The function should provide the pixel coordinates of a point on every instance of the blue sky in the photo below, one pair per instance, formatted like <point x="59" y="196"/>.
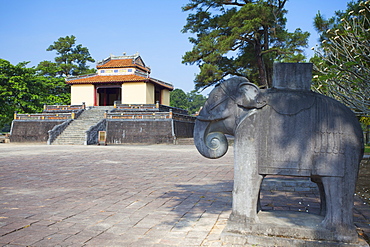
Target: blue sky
<point x="150" y="27"/>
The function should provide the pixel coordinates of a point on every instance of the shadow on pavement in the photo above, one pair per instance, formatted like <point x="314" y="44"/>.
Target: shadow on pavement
<point x="194" y="204"/>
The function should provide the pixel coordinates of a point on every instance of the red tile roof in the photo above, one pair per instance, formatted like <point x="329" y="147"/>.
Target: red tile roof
<point x="121" y="63"/>
<point x="101" y="79"/>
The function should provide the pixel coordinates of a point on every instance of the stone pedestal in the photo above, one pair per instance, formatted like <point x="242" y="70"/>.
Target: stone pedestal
<point x="283" y="228"/>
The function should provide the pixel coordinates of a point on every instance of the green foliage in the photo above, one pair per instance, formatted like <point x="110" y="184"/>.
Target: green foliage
<point x="20" y="89"/>
<point x="48" y="68"/>
<point x="337" y="23"/>
<point x="26" y="90"/>
<point x="342" y="62"/>
<point x="179" y="99"/>
<point x="71" y="59"/>
<point x="367" y="149"/>
<point x="5" y="128"/>
<point x="192" y="101"/>
<point x="196" y="101"/>
<point x="365" y="121"/>
<point x="240" y="38"/>
<point x="55" y="91"/>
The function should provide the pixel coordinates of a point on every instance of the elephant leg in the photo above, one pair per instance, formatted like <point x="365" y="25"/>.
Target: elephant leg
<point x="318" y="182"/>
<point x="259" y="206"/>
<point x="246" y="198"/>
<point x="339" y="208"/>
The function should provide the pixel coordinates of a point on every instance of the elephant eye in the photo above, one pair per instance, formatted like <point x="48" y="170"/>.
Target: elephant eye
<point x="217" y="99"/>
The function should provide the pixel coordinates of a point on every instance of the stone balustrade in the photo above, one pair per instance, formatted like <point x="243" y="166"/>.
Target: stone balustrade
<point x="45" y="116"/>
<point x="52" y="108"/>
<point x="138" y="115"/>
<point x="127" y="115"/>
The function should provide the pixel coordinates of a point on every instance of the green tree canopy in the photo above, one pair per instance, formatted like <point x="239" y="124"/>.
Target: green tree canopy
<point x="331" y="27"/>
<point x="26" y="90"/>
<point x="196" y="101"/>
<point x="342" y="62"/>
<point x="20" y="90"/>
<point x="71" y="59"/>
<point x="179" y="99"/>
<point x="240" y="38"/>
<point x="192" y="101"/>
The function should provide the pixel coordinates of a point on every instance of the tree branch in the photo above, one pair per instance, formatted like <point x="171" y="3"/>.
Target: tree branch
<point x="236" y="3"/>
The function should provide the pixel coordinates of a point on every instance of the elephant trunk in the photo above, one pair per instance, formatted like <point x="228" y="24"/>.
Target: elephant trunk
<point x="211" y="144"/>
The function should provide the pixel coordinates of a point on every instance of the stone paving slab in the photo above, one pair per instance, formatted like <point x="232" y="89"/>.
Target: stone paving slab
<point x="156" y="195"/>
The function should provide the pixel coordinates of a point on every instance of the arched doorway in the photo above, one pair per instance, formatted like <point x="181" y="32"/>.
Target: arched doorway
<point x="106" y="95"/>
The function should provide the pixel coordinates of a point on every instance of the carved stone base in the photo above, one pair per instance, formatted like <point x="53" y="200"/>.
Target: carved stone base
<point x="282" y="228"/>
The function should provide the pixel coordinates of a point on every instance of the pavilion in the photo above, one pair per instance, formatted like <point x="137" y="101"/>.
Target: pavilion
<point x="121" y="79"/>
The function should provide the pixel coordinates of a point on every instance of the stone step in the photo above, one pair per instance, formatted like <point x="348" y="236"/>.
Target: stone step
<point x="74" y="134"/>
<point x="81" y="127"/>
<point x="71" y="140"/>
<point x="73" y="129"/>
<point x="288" y="184"/>
<point x="184" y="141"/>
<point x="72" y="137"/>
<point x="69" y="143"/>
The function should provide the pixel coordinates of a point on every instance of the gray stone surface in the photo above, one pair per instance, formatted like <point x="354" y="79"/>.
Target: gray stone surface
<point x="91" y="135"/>
<point x="292" y="76"/>
<point x="284" y="228"/>
<point x="57" y="130"/>
<point x="137" y="196"/>
<point x="75" y="133"/>
<point x="32" y="130"/>
<point x="286" y="130"/>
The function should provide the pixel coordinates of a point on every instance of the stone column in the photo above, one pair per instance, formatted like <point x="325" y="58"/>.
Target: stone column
<point x="292" y="76"/>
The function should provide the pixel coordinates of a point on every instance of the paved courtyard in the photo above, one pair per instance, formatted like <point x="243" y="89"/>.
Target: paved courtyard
<point x="156" y="195"/>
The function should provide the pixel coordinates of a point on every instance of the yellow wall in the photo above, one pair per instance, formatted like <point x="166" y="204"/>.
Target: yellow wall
<point x="132" y="93"/>
<point x="150" y="93"/>
<point x="165" y="97"/>
<point x="82" y="93"/>
<point x="136" y="93"/>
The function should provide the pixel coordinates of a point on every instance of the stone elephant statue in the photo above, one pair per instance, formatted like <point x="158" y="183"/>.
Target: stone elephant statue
<point x="284" y="132"/>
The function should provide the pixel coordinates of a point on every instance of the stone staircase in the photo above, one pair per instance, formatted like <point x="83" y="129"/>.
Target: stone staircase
<point x="74" y="134"/>
<point x="184" y="141"/>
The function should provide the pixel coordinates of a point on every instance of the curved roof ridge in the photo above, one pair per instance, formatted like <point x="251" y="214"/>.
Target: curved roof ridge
<point x="123" y="62"/>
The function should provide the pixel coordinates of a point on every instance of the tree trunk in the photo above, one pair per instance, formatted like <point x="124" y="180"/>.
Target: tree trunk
<point x="262" y="79"/>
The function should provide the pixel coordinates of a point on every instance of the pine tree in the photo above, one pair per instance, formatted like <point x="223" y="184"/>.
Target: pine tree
<point x="241" y="38"/>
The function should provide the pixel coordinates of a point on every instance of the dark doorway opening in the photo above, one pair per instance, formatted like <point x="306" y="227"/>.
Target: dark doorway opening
<point x="157" y="96"/>
<point x="107" y="95"/>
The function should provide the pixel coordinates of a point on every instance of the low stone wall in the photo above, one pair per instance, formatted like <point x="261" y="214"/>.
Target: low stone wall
<point x="57" y="130"/>
<point x="288" y="184"/>
<point x="183" y="129"/>
<point x="32" y="131"/>
<point x="147" y="131"/>
<point x="139" y="131"/>
<point x="93" y="131"/>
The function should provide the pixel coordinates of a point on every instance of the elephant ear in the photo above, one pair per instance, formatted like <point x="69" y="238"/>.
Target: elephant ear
<point x="247" y="96"/>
